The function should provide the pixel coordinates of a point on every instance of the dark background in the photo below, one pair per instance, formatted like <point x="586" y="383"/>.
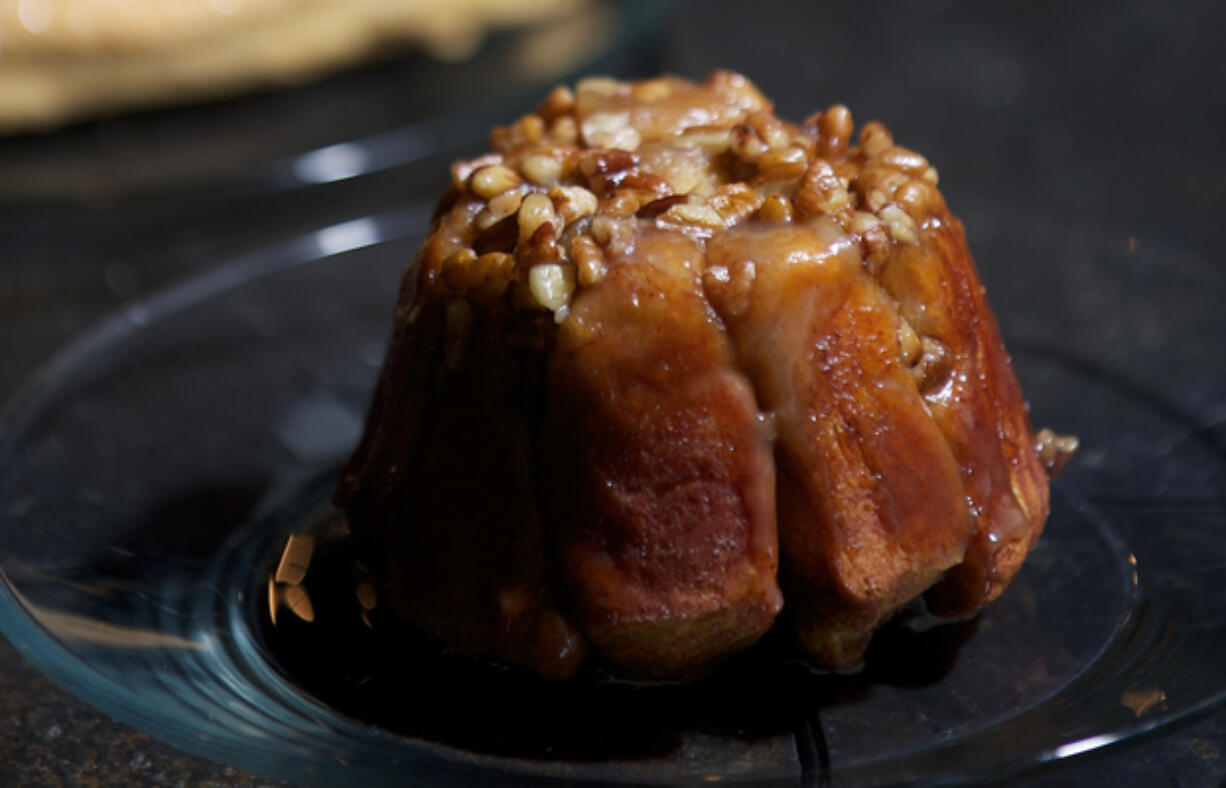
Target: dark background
<point x="1102" y="115"/>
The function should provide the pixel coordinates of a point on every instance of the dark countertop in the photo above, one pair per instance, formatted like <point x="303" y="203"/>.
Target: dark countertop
<point x="1113" y="114"/>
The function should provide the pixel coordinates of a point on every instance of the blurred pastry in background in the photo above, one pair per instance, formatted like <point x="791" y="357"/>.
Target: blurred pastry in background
<point x="64" y="60"/>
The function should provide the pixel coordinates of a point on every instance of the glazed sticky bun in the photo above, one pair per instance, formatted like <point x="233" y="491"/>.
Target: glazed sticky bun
<point x="669" y="369"/>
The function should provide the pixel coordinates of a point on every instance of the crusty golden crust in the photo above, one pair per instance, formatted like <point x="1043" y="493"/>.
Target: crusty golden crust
<point x="663" y="350"/>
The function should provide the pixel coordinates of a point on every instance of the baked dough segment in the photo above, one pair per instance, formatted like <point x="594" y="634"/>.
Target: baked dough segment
<point x="442" y="494"/>
<point x="871" y="510"/>
<point x="974" y="398"/>
<point x="660" y="471"/>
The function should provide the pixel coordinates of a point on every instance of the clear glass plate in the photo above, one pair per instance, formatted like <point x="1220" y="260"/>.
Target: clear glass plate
<point x="154" y="469"/>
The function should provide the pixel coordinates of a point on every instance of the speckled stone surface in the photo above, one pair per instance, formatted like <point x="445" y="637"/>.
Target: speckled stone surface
<point x="49" y="738"/>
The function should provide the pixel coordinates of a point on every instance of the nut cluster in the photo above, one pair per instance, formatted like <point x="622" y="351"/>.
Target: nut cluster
<point x="568" y="187"/>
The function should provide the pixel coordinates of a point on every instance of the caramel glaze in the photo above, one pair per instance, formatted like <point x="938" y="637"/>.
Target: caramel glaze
<point x="976" y="402"/>
<point x="871" y="510"/>
<point x="660" y="470"/>
<point x="666" y="361"/>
